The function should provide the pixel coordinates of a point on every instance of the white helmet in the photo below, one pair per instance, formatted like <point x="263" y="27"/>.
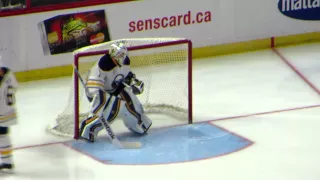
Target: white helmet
<point x="119" y="52"/>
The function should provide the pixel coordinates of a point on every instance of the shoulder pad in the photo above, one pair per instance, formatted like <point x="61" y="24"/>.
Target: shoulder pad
<point x="126" y="61"/>
<point x="106" y="63"/>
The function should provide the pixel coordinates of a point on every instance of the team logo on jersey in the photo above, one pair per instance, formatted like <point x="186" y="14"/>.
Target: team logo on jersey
<point x="117" y="80"/>
<point x="300" y="9"/>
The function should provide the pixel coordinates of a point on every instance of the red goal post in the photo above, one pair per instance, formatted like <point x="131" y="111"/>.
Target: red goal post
<point x="174" y="54"/>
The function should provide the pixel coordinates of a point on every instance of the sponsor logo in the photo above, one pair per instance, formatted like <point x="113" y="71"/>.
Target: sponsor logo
<point x="170" y="21"/>
<point x="112" y="136"/>
<point x="300" y="9"/>
<point x="67" y="32"/>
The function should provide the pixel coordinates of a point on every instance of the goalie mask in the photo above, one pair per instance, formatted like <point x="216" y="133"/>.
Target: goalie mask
<point x="118" y="52"/>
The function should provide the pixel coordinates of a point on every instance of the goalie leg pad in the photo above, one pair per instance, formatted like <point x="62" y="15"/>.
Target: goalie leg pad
<point x="5" y="146"/>
<point x="100" y="100"/>
<point x="112" y="109"/>
<point x="92" y="126"/>
<point x="134" y="117"/>
<point x="138" y="126"/>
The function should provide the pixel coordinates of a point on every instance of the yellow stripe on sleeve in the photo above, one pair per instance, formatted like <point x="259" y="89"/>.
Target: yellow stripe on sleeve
<point x="96" y="84"/>
<point x="6" y="152"/>
<point x="7" y="117"/>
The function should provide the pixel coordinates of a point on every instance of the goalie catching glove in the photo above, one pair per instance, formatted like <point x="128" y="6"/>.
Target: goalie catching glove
<point x="136" y="85"/>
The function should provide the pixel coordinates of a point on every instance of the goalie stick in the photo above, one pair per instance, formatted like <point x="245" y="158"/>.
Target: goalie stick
<point x="112" y="136"/>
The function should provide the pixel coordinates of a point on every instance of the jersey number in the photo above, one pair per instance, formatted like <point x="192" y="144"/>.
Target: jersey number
<point x="10" y="99"/>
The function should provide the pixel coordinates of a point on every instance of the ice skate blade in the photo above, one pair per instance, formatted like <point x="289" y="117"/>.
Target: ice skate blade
<point x="6" y="171"/>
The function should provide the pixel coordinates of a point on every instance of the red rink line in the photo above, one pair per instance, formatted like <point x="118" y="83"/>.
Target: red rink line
<point x="39" y="145"/>
<point x="303" y="77"/>
<point x="265" y="113"/>
<point x="292" y="67"/>
<point x="219" y="119"/>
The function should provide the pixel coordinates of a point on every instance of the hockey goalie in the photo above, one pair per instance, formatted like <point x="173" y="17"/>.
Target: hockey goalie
<point x="112" y="89"/>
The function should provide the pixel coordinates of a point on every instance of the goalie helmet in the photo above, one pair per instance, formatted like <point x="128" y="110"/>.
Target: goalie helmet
<point x="119" y="52"/>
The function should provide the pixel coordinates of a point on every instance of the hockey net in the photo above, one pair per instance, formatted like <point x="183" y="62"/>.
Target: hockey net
<point x="163" y="64"/>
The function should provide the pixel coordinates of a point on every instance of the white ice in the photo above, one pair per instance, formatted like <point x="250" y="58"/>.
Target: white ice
<point x="286" y="144"/>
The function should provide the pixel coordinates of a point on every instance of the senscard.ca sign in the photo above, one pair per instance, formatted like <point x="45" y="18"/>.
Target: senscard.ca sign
<point x="300" y="9"/>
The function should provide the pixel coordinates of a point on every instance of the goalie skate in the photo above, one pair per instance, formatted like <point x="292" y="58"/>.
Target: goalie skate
<point x="6" y="168"/>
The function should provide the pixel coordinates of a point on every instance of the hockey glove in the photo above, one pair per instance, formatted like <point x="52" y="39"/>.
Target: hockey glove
<point x="138" y="87"/>
<point x="129" y="79"/>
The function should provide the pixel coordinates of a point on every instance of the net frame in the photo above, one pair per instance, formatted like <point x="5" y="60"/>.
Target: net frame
<point x="173" y="41"/>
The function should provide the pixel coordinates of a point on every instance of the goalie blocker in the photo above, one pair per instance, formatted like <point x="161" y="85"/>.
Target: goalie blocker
<point x="113" y="88"/>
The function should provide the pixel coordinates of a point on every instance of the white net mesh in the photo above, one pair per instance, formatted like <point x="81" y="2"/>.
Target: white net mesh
<point x="163" y="69"/>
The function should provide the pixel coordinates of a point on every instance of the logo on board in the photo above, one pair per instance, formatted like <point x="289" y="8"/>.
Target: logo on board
<point x="300" y="9"/>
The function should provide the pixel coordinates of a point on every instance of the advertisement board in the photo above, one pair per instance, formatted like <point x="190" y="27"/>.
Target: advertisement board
<point x="300" y="9"/>
<point x="37" y="41"/>
<point x="68" y="32"/>
<point x="166" y="19"/>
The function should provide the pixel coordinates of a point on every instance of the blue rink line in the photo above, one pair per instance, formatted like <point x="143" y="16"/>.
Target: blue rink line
<point x="167" y="145"/>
